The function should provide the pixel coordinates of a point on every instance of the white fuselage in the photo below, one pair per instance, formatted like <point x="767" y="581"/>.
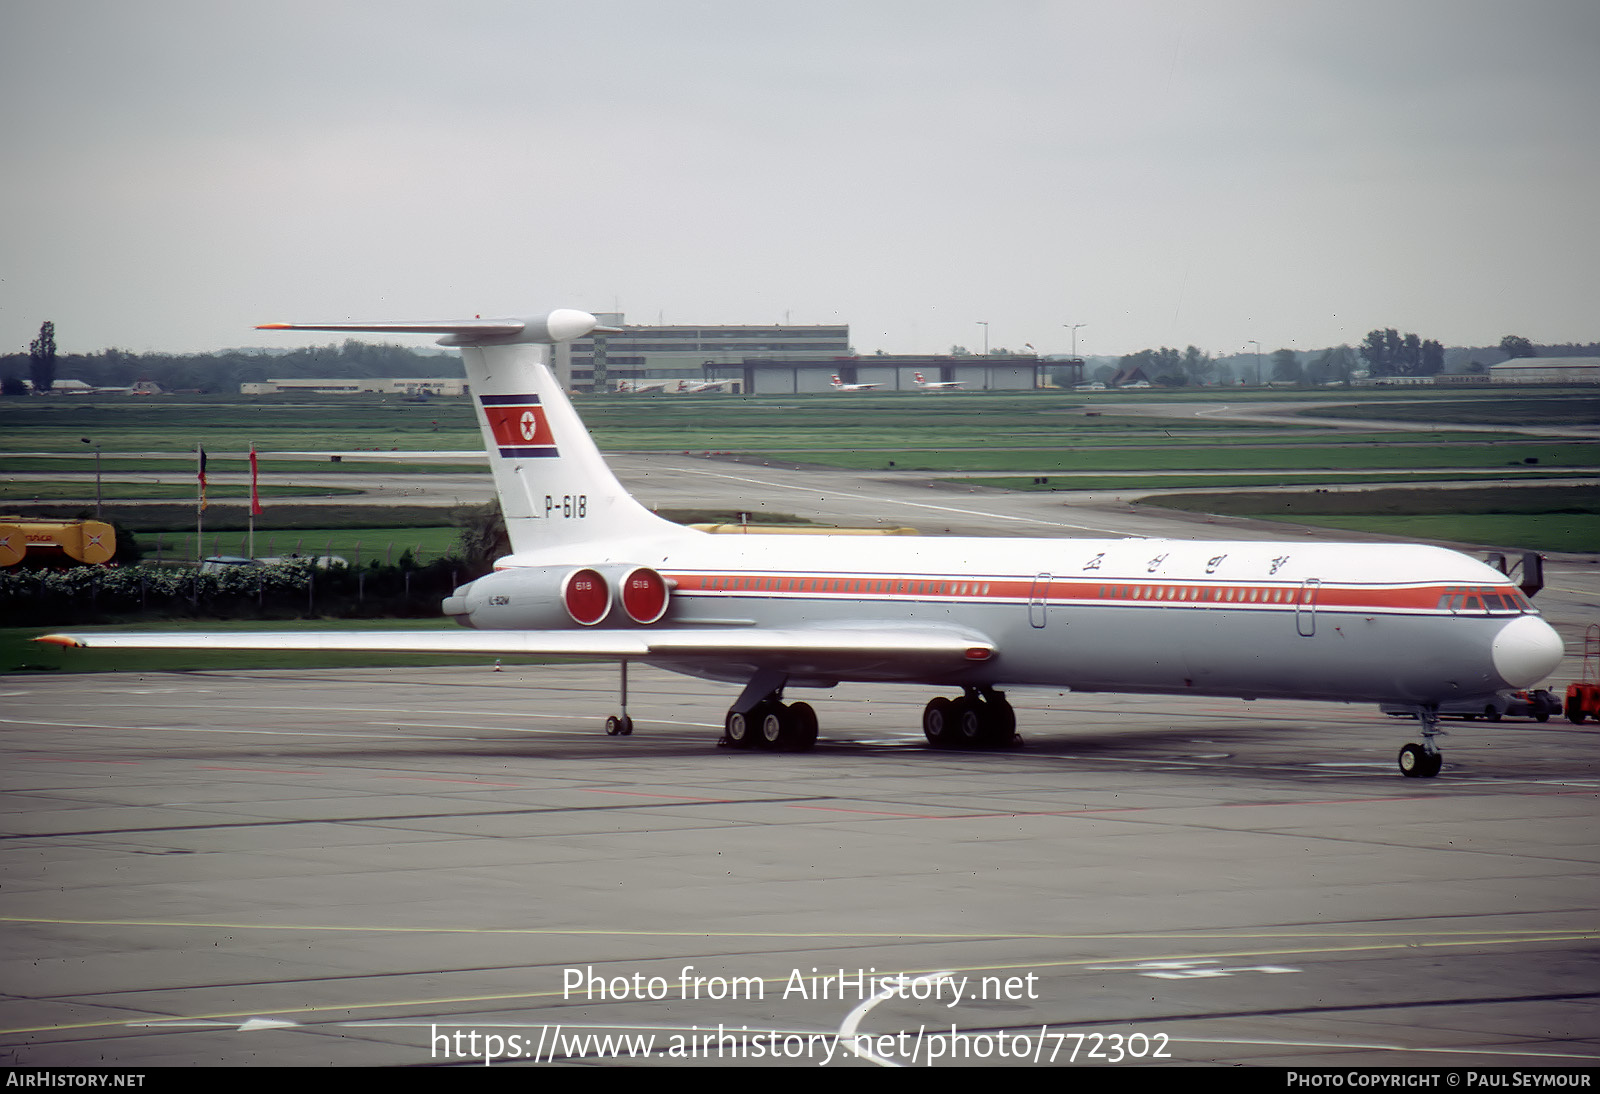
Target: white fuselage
<point x="1343" y="622"/>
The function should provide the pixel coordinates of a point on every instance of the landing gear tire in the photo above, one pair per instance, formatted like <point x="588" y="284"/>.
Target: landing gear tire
<point x="805" y="727"/>
<point x="1417" y="762"/>
<point x="972" y="722"/>
<point x="737" y="730"/>
<point x="1002" y="723"/>
<point x="772" y="725"/>
<point x="939" y="722"/>
<point x="619" y="727"/>
<point x="1492" y="713"/>
<point x="773" y="730"/>
<point x="785" y="727"/>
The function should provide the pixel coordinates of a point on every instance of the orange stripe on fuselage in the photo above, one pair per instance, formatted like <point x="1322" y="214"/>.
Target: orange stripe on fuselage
<point x="1433" y="598"/>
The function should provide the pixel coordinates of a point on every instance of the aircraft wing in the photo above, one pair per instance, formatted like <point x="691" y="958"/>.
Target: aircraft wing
<point x="890" y="651"/>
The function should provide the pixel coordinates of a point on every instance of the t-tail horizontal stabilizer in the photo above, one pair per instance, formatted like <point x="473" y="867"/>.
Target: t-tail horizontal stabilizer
<point x="561" y="325"/>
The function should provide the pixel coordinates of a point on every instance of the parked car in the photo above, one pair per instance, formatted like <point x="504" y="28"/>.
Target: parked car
<point x="217" y="564"/>
<point x="1538" y="704"/>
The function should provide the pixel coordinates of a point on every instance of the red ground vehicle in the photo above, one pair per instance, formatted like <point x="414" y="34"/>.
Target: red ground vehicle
<point x="1583" y="696"/>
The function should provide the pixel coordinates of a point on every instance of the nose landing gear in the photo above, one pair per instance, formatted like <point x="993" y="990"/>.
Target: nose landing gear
<point x="1423" y="761"/>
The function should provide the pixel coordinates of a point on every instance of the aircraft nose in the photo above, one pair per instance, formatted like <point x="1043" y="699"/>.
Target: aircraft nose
<point x="1526" y="650"/>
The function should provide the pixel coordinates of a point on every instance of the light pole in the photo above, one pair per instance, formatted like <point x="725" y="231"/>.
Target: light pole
<point x="1073" y="327"/>
<point x="985" y="325"/>
<point x="86" y="440"/>
<point x="1253" y="342"/>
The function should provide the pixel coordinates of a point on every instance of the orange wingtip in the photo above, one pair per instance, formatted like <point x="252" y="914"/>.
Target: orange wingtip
<point x="275" y="326"/>
<point x="59" y="640"/>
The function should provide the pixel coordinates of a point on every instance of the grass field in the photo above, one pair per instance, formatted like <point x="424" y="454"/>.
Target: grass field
<point x="184" y="465"/>
<point x="53" y="490"/>
<point x="285" y="516"/>
<point x="1501" y="408"/>
<point x="1025" y="433"/>
<point x="1218" y="457"/>
<point x="357" y="546"/>
<point x="716" y="423"/>
<point x="1070" y="481"/>
<point x="1543" y="518"/>
<point x="1537" y="532"/>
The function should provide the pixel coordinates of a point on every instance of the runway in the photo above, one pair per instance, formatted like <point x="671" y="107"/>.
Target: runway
<point x="342" y="867"/>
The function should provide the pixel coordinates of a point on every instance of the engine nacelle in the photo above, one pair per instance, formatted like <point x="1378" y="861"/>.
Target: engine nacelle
<point x="644" y="594"/>
<point x="552" y="597"/>
<point x="533" y="598"/>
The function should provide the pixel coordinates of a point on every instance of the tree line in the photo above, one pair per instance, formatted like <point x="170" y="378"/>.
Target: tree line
<point x="1383" y="352"/>
<point x="216" y="373"/>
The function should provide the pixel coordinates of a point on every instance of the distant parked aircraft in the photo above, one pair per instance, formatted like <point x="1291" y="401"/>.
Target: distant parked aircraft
<point x="840" y="385"/>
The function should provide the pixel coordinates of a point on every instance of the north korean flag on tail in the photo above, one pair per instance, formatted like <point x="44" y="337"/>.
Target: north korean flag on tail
<point x="518" y="425"/>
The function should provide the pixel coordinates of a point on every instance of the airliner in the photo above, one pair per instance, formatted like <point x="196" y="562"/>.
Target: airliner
<point x="594" y="574"/>
<point x="640" y="387"/>
<point x="840" y="385"/>
<point x="938" y="385"/>
<point x="700" y="387"/>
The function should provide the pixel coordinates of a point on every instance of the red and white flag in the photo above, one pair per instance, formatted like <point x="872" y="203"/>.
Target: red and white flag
<point x="255" y="497"/>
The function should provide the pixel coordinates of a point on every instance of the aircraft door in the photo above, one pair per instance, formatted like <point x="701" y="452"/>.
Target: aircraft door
<point x="1305" y="607"/>
<point x="1038" y="597"/>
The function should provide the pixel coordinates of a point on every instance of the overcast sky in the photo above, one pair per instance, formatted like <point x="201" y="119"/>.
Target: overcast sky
<point x="1166" y="173"/>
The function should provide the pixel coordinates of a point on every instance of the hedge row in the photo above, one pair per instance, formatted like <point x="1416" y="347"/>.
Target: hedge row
<point x="288" y="590"/>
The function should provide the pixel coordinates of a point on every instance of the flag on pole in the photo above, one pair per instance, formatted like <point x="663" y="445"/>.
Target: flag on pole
<point x="202" y="477"/>
<point x="255" y="497"/>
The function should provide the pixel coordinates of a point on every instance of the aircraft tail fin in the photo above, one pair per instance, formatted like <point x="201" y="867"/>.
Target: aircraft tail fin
<point x="555" y="488"/>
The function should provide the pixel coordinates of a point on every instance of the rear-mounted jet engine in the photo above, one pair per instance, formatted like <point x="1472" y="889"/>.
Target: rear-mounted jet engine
<point x="547" y="597"/>
<point x="536" y="598"/>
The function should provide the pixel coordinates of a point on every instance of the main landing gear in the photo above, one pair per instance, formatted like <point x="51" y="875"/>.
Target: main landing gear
<point x="773" y="724"/>
<point x="981" y="718"/>
<point x="760" y="718"/>
<point x="1423" y="761"/>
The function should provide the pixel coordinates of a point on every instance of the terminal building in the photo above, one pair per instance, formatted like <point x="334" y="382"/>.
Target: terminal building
<point x="892" y="372"/>
<point x="649" y="355"/>
<point x="767" y="360"/>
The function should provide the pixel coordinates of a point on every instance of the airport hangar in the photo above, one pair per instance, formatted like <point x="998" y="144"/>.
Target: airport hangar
<point x="1546" y="370"/>
<point x="774" y="360"/>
